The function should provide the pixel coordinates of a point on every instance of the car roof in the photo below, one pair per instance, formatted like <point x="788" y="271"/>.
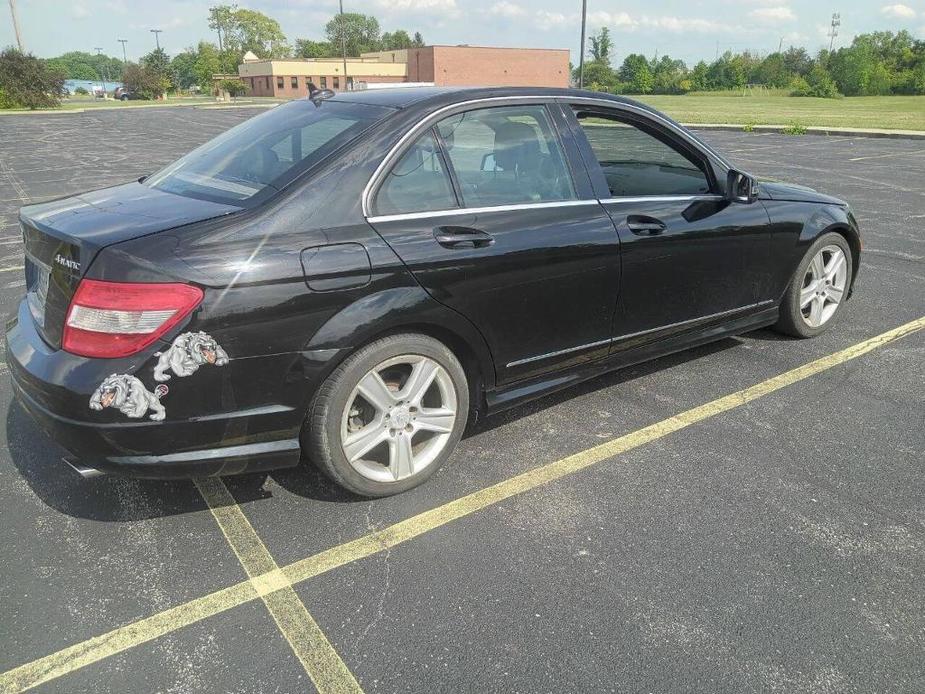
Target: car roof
<point x="403" y="97"/>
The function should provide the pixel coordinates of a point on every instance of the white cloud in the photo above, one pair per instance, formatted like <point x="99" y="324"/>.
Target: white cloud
<point x="79" y="11"/>
<point x="779" y="13"/>
<point x="611" y="19"/>
<point x="507" y="9"/>
<point x="546" y="20"/>
<point x="898" y="11"/>
<point x="419" y="5"/>
<point x="679" y="25"/>
<point x="623" y="21"/>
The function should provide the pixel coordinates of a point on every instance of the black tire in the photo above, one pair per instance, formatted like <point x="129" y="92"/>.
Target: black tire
<point x="321" y="434"/>
<point x="124" y="97"/>
<point x="791" y="320"/>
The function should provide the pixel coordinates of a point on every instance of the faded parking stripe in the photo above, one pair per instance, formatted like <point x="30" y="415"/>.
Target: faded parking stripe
<point x="98" y="648"/>
<point x="305" y="637"/>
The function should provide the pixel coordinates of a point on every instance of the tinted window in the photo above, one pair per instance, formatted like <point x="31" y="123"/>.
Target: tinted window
<point x="265" y="151"/>
<point x="418" y="182"/>
<point x="637" y="163"/>
<point x="506" y="155"/>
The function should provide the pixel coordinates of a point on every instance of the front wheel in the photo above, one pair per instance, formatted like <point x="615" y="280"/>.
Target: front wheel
<point x="818" y="289"/>
<point x="388" y="417"/>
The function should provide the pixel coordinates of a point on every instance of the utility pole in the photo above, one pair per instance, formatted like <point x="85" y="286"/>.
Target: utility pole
<point x="123" y="42"/>
<point x="99" y="55"/>
<point x="833" y="32"/>
<point x="157" y="39"/>
<point x="221" y="51"/>
<point x="343" y="41"/>
<point x="16" y="26"/>
<point x="780" y="45"/>
<point x="581" y="56"/>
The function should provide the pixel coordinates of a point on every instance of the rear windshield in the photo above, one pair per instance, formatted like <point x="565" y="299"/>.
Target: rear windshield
<point x="259" y="156"/>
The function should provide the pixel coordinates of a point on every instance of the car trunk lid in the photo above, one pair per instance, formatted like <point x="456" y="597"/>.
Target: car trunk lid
<point x="62" y="237"/>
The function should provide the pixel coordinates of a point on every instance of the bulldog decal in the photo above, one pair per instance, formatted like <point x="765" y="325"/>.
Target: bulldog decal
<point x="187" y="353"/>
<point x="129" y="395"/>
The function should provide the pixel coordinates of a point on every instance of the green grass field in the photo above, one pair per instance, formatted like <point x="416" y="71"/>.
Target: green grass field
<point x="891" y="112"/>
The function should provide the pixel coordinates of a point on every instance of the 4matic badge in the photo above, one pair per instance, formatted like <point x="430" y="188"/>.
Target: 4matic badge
<point x="67" y="262"/>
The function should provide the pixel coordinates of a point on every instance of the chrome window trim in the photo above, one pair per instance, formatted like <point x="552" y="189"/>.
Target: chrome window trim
<point x="560" y="352"/>
<point x="706" y="197"/>
<point x="432" y="118"/>
<point x="478" y="210"/>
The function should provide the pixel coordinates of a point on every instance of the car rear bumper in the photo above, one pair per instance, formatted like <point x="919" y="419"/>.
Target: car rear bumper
<point x="55" y="387"/>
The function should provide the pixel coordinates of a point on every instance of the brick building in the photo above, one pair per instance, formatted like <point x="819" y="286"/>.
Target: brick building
<point x="441" y="65"/>
<point x="477" y="66"/>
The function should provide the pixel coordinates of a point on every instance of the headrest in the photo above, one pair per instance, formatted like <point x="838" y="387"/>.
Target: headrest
<point x="515" y="143"/>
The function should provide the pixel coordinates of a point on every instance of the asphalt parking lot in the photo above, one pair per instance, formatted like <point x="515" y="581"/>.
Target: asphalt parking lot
<point x="773" y="541"/>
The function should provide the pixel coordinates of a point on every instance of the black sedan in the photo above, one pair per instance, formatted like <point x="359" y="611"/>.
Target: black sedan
<point x="353" y="279"/>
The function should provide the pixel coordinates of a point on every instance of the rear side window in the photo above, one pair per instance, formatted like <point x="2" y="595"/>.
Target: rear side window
<point x="418" y="182"/>
<point x="637" y="163"/>
<point x="506" y="155"/>
<point x="265" y="152"/>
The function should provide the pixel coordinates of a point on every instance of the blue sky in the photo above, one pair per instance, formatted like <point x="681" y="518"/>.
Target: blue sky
<point x="689" y="30"/>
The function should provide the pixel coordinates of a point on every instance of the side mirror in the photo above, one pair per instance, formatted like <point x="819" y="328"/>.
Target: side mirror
<point x="740" y="187"/>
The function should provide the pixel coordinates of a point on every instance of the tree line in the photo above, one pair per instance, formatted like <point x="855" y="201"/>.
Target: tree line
<point x="877" y="63"/>
<point x="30" y="82"/>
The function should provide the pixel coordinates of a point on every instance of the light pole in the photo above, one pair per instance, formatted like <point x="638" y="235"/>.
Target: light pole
<point x="123" y="42"/>
<point x="99" y="55"/>
<point x="343" y="41"/>
<point x="16" y="26"/>
<point x="157" y="39"/>
<point x="581" y="58"/>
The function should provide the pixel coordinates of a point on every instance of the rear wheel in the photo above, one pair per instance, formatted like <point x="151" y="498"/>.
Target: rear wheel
<point x="389" y="416"/>
<point x="818" y="289"/>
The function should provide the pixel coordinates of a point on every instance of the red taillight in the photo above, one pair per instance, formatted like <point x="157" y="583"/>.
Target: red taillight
<point x="118" y="319"/>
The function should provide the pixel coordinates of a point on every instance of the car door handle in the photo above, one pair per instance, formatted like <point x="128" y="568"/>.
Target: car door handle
<point x="457" y="237"/>
<point x="642" y="225"/>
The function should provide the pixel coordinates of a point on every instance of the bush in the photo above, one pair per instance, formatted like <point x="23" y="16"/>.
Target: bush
<point x="799" y="86"/>
<point x="5" y="101"/>
<point x="234" y="87"/>
<point x="81" y="91"/>
<point x="821" y="83"/>
<point x="795" y="128"/>
<point x="26" y="82"/>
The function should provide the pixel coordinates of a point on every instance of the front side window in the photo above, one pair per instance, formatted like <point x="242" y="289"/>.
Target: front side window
<point x="506" y="155"/>
<point x="337" y="83"/>
<point x="638" y="163"/>
<point x="265" y="152"/>
<point x="294" y="82"/>
<point x="418" y="182"/>
<point x="279" y="82"/>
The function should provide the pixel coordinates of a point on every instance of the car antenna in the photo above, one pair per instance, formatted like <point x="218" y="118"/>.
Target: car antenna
<point x="316" y="94"/>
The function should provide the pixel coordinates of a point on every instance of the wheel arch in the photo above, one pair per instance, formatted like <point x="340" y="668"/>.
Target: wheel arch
<point x="407" y="309"/>
<point x="832" y="219"/>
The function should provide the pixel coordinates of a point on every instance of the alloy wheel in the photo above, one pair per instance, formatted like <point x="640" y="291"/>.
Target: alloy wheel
<point x="398" y="418"/>
<point x="823" y="286"/>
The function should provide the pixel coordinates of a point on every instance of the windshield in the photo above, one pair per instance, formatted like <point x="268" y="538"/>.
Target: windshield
<point x="266" y="152"/>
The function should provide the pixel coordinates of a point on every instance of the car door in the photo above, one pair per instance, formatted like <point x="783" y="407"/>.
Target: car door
<point x="486" y="211"/>
<point x="690" y="257"/>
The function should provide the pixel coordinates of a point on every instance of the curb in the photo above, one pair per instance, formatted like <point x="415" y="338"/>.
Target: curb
<point x="142" y="107"/>
<point x="814" y="130"/>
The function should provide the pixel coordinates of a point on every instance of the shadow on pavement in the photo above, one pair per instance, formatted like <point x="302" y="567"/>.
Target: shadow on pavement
<point x="112" y="498"/>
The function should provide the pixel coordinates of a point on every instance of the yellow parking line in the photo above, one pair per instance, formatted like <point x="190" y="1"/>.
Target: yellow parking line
<point x="305" y="637"/>
<point x="93" y="650"/>
<point x="11" y="269"/>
